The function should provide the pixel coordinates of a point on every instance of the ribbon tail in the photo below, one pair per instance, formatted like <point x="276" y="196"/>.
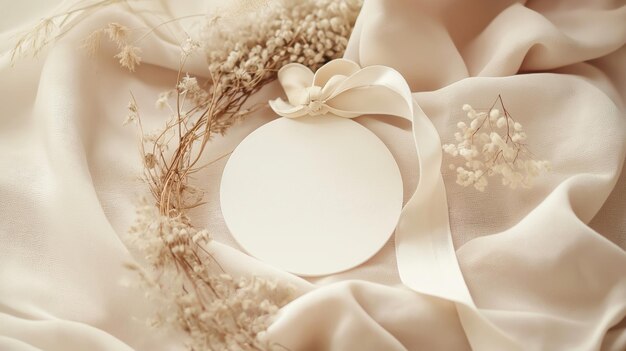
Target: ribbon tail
<point x="294" y="78"/>
<point x="425" y="253"/>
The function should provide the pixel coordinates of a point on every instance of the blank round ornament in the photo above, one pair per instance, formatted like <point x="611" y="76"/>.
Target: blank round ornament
<point x="313" y="195"/>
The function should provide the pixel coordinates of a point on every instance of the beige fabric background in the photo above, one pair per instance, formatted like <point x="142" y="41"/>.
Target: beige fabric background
<point x="547" y="266"/>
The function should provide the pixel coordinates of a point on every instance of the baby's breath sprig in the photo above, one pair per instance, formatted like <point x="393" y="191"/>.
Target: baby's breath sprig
<point x="192" y="292"/>
<point x="493" y="144"/>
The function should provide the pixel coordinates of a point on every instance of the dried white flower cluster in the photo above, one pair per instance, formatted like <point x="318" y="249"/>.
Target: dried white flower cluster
<point x="493" y="144"/>
<point x="217" y="311"/>
<point x="259" y="43"/>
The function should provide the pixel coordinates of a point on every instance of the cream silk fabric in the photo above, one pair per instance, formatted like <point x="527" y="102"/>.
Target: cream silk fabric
<point x="538" y="269"/>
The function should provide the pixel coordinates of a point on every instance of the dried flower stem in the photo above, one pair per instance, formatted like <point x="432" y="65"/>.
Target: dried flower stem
<point x="52" y="28"/>
<point x="502" y="149"/>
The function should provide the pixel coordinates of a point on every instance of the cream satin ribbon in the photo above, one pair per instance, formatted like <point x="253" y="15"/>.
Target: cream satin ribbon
<point x="425" y="254"/>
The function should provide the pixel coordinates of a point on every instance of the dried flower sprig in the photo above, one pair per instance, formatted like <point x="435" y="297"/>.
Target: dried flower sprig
<point x="215" y="310"/>
<point x="493" y="144"/>
<point x="129" y="55"/>
<point x="249" y="56"/>
<point x="52" y="28"/>
<point x="307" y="32"/>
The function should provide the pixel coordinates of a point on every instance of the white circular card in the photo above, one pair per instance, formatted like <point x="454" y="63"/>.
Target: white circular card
<point x="313" y="196"/>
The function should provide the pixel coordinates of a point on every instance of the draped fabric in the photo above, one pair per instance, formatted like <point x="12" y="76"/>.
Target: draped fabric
<point x="541" y="268"/>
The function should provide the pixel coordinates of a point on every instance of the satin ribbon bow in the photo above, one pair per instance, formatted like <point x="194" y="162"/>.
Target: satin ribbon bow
<point x="343" y="88"/>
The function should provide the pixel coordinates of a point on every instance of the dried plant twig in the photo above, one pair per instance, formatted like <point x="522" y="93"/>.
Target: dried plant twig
<point x="498" y="151"/>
